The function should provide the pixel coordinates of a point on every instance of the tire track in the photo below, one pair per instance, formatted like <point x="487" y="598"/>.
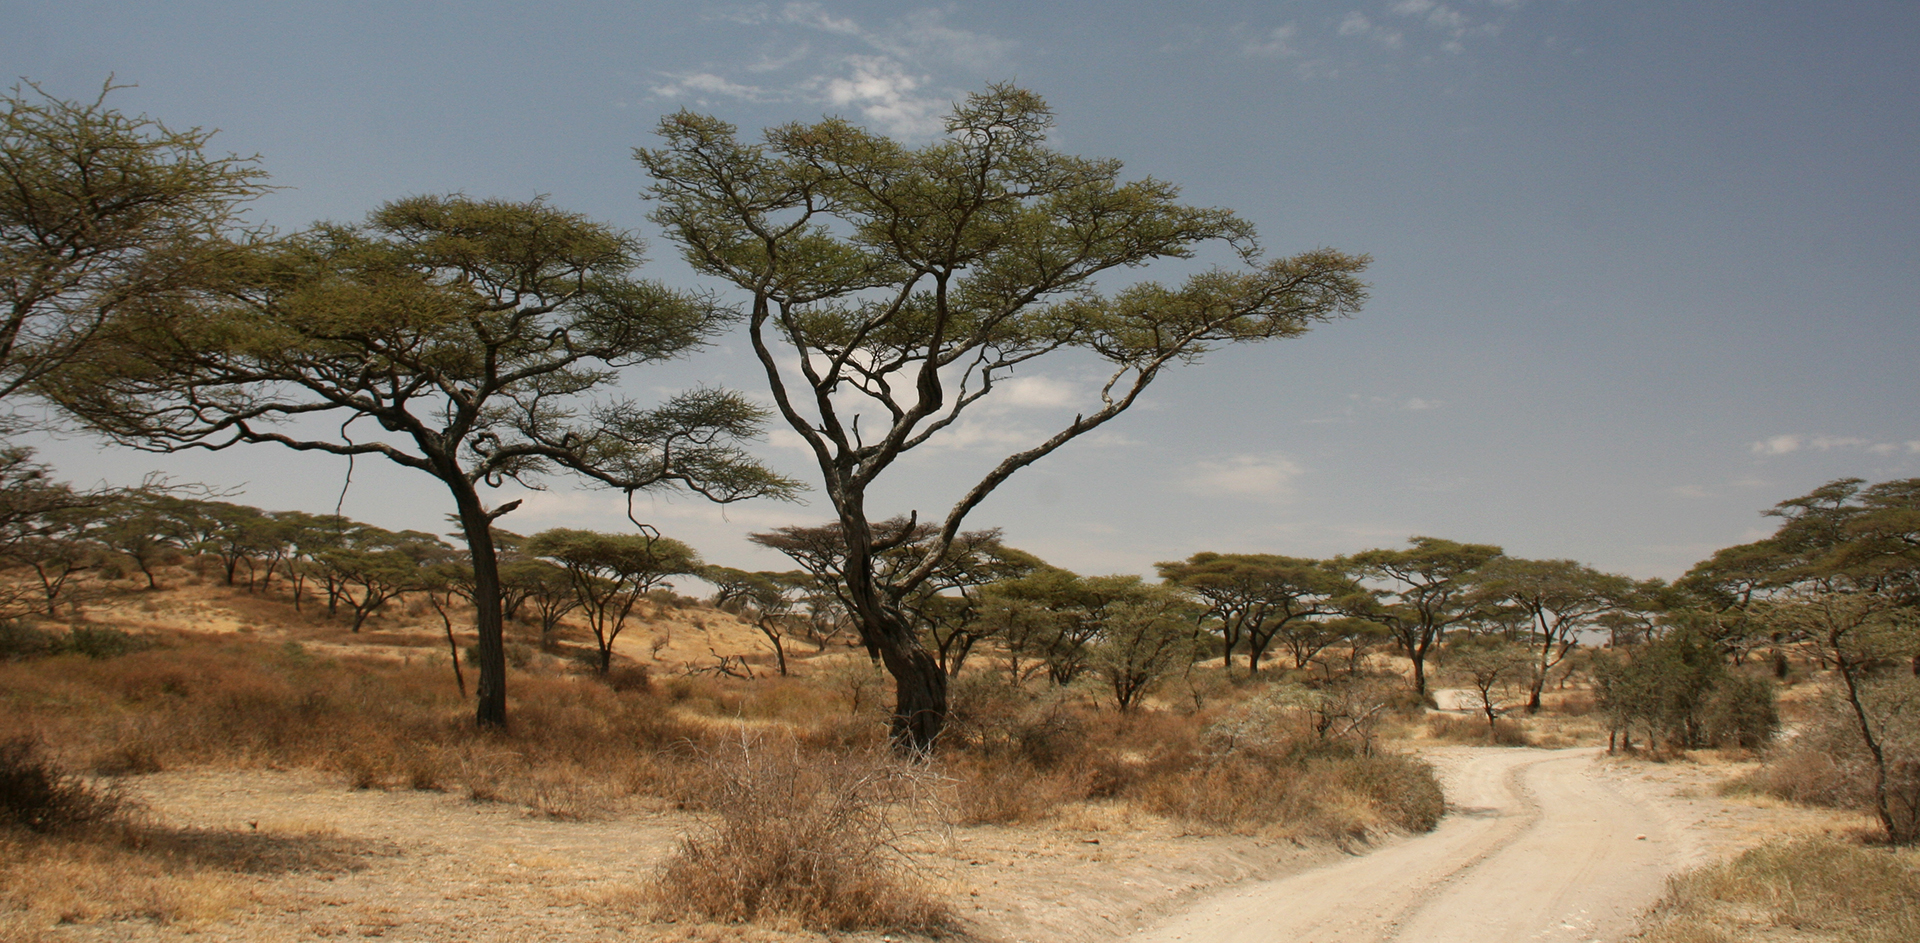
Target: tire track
<point x="1536" y="846"/>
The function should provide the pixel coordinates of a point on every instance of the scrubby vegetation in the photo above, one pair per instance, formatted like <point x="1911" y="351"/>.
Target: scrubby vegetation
<point x="1819" y="889"/>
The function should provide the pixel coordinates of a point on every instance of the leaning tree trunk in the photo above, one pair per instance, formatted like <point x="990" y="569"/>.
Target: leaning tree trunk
<point x="919" y="684"/>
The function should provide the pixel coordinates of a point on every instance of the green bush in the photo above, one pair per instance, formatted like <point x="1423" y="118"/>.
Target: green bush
<point x="1741" y="711"/>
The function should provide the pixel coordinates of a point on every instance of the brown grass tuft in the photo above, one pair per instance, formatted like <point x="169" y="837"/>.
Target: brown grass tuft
<point x="810" y="840"/>
<point x="1809" y="889"/>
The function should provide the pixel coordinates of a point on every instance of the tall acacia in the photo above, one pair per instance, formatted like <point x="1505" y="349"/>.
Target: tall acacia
<point x="474" y="334"/>
<point x="897" y="286"/>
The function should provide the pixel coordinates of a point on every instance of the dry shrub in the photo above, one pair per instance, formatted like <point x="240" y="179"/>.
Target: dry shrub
<point x="1007" y="789"/>
<point x="1809" y="889"/>
<point x="1311" y="792"/>
<point x="576" y="748"/>
<point x="36" y="794"/>
<point x="1827" y="763"/>
<point x="809" y="840"/>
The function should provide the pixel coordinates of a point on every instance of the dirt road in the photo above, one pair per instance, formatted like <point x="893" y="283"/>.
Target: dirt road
<point x="1538" y="846"/>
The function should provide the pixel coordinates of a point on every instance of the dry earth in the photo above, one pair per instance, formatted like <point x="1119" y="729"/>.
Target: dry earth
<point x="1540" y="845"/>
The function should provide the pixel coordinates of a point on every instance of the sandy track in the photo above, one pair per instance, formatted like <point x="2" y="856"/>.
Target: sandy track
<point x="1538" y="845"/>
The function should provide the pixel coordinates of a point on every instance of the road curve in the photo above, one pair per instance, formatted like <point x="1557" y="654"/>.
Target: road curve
<point x="1537" y="845"/>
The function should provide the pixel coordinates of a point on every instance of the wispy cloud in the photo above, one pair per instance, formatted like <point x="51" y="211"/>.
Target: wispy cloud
<point x="1359" y="24"/>
<point x="1796" y="442"/>
<point x="899" y="75"/>
<point x="1793" y="442"/>
<point x="1323" y="47"/>
<point x="1262" y="477"/>
<point x="1278" y="41"/>
<point x="1036" y="392"/>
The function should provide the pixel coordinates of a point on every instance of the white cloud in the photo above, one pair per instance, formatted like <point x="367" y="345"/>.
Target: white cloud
<point x="1274" y="42"/>
<point x="703" y="86"/>
<point x="1264" y="477"/>
<point x="884" y="93"/>
<point x="1420" y="405"/>
<point x="1787" y="444"/>
<point x="1035" y="392"/>
<point x="889" y="74"/>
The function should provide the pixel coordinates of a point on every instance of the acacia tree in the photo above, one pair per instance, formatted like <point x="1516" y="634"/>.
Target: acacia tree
<point x="473" y="333"/>
<point x="897" y="286"/>
<point x="1846" y="585"/>
<point x="1557" y="598"/>
<point x="945" y="607"/>
<point x="99" y="210"/>
<point x="611" y="573"/>
<point x="1146" y="631"/>
<point x="1430" y="587"/>
<point x="1261" y="597"/>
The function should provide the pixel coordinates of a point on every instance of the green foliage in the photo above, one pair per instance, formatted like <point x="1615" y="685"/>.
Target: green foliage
<point x="610" y="573"/>
<point x="484" y="335"/>
<point x="1678" y="690"/>
<point x="1429" y="591"/>
<point x="899" y="285"/>
<point x="1742" y="711"/>
<point x="1264" y="598"/>
<point x="100" y="212"/>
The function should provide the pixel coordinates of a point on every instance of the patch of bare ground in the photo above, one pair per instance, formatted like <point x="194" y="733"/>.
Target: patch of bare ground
<point x="294" y="856"/>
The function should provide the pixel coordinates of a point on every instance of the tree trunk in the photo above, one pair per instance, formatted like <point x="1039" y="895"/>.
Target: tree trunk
<point x="490" y="689"/>
<point x="1419" y="658"/>
<point x="920" y="699"/>
<point x="1848" y="672"/>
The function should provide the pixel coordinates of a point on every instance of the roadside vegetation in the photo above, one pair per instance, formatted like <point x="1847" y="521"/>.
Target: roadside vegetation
<point x="1815" y="889"/>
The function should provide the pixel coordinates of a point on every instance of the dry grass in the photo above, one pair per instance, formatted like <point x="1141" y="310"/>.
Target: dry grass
<point x="1469" y="728"/>
<point x="807" y="840"/>
<point x="803" y="835"/>
<point x="1810" y="890"/>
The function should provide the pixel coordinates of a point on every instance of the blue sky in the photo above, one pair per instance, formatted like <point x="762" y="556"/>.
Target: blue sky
<point x="1642" y="269"/>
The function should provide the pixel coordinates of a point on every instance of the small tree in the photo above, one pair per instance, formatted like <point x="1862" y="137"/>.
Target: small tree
<point x="1494" y="668"/>
<point x="1146" y="633"/>
<point x="611" y="573"/>
<point x="1429" y="591"/>
<point x="767" y="600"/>
<point x="373" y="566"/>
<point x="1557" y="598"/>
<point x="898" y="286"/>
<point x="1260" y="598"/>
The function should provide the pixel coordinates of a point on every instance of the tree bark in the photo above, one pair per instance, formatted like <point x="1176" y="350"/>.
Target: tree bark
<point x="490" y="689"/>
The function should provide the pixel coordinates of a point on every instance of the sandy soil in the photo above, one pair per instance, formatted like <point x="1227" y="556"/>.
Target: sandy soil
<point x="1540" y="845"/>
<point x="1551" y="845"/>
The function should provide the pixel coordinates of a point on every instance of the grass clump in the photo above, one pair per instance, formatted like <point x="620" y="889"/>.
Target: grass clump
<point x="36" y="794"/>
<point x="1463" y="728"/>
<point x="809" y="840"/>
<point x="1816" y="889"/>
